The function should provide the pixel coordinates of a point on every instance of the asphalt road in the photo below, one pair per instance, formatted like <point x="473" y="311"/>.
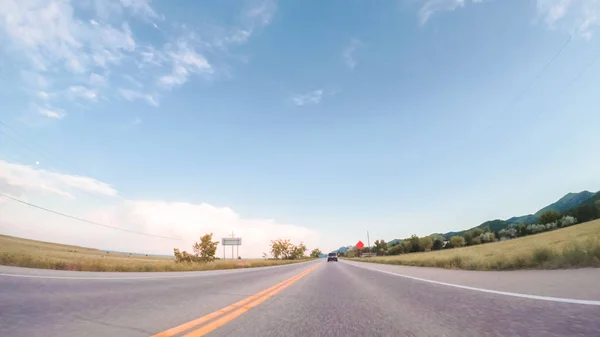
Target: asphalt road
<point x="307" y="299"/>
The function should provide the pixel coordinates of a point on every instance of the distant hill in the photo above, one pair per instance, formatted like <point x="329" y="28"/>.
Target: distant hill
<point x="569" y="201"/>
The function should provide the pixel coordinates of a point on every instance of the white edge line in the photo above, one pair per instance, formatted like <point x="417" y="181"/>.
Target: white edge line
<point x="121" y="278"/>
<point x="497" y="292"/>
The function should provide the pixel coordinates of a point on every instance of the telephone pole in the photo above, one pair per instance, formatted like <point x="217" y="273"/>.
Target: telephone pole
<point x="369" y="242"/>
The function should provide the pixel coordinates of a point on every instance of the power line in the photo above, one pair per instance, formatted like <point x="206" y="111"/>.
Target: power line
<point x="541" y="72"/>
<point x="22" y="143"/>
<point x="86" y="221"/>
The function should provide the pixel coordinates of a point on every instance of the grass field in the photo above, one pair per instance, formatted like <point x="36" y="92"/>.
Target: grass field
<point x="571" y="247"/>
<point x="37" y="254"/>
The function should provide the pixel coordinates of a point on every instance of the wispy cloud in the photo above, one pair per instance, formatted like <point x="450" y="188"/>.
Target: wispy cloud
<point x="432" y="6"/>
<point x="311" y="97"/>
<point x="50" y="112"/>
<point x="71" y="48"/>
<point x="98" y="80"/>
<point x="260" y="13"/>
<point x="134" y="95"/>
<point x="581" y="17"/>
<point x="83" y="92"/>
<point x="185" y="61"/>
<point x="348" y="53"/>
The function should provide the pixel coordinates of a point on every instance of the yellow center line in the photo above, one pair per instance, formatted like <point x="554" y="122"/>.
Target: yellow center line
<point x="260" y="295"/>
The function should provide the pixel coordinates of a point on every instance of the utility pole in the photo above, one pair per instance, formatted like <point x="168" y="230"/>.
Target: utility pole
<point x="369" y="243"/>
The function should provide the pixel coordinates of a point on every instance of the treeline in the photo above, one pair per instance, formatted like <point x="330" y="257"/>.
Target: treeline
<point x="547" y="221"/>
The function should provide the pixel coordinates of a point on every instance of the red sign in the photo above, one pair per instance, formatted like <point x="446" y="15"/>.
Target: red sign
<point x="360" y="245"/>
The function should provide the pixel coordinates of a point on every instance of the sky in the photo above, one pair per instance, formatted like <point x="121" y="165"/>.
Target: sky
<point x="315" y="121"/>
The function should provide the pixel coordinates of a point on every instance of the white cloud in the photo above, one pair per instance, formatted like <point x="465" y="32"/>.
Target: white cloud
<point x="133" y="95"/>
<point x="51" y="113"/>
<point x="574" y="16"/>
<point x="170" y="219"/>
<point x="97" y="80"/>
<point x="83" y="92"/>
<point x="185" y="61"/>
<point x="578" y="16"/>
<point x="349" y="51"/>
<point x="261" y="13"/>
<point x="311" y="97"/>
<point x="432" y="6"/>
<point x="43" y="95"/>
<point x="63" y="41"/>
<point x="19" y="179"/>
<point x="140" y="7"/>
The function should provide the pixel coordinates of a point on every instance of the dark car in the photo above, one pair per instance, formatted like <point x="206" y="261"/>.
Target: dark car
<point x="332" y="257"/>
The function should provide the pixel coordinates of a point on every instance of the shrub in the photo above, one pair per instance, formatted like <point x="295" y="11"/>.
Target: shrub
<point x="437" y="244"/>
<point x="457" y="241"/>
<point x="542" y="255"/>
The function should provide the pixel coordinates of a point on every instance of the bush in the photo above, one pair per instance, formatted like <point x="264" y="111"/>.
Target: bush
<point x="457" y="241"/>
<point x="542" y="255"/>
<point x="437" y="244"/>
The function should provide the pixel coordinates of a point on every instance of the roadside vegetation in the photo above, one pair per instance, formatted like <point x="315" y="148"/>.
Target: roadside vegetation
<point x="20" y="252"/>
<point x="570" y="247"/>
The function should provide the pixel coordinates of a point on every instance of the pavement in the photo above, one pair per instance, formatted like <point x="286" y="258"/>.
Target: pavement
<point x="307" y="299"/>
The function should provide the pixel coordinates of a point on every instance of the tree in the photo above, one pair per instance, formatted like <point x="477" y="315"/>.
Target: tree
<point x="457" y="241"/>
<point x="280" y="249"/>
<point x="206" y="249"/>
<point x="297" y="252"/>
<point x="425" y="243"/>
<point x="414" y="244"/>
<point x="437" y="244"/>
<point x="548" y="217"/>
<point x="284" y="249"/>
<point x="468" y="238"/>
<point x="406" y="246"/>
<point x="477" y="232"/>
<point x="315" y="253"/>
<point x="395" y="249"/>
<point x="380" y="247"/>
<point x="487" y="237"/>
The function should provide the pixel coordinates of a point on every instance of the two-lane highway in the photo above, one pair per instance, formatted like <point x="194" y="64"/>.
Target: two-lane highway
<point x="307" y="299"/>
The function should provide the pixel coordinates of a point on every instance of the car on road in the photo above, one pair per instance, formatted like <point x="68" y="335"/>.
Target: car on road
<point x="332" y="257"/>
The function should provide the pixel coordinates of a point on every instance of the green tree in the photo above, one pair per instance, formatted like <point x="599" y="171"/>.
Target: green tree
<point x="206" y="249"/>
<point x="437" y="244"/>
<point x="280" y="249"/>
<point x="477" y="232"/>
<point x="414" y="244"/>
<point x="315" y="253"/>
<point x="406" y="246"/>
<point x="380" y="247"/>
<point x="468" y="238"/>
<point x="297" y="252"/>
<point x="548" y="217"/>
<point x="457" y="241"/>
<point x="395" y="249"/>
<point x="425" y="243"/>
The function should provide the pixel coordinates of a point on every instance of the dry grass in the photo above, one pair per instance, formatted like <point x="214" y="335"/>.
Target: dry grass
<point x="571" y="247"/>
<point x="37" y="254"/>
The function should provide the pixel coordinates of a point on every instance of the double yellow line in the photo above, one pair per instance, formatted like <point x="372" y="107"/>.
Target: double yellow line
<point x="230" y="312"/>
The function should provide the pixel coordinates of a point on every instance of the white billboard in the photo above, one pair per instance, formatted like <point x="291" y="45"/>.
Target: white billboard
<point x="231" y="241"/>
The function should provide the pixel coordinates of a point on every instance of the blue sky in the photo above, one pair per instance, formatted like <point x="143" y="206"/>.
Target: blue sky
<point x="312" y="120"/>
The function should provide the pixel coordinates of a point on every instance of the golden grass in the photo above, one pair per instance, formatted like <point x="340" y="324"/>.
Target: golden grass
<point x="571" y="247"/>
<point x="38" y="254"/>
